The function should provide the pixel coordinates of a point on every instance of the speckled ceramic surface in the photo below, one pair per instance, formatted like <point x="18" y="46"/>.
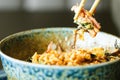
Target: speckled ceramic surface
<point x="18" y="47"/>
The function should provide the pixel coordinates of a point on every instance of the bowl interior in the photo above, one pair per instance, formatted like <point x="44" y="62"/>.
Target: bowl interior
<point x="24" y="44"/>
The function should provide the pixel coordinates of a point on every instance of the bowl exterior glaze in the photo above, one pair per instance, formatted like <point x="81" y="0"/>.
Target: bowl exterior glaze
<point x="17" y="69"/>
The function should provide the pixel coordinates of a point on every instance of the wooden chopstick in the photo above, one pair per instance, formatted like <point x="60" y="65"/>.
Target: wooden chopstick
<point x="95" y="4"/>
<point x="79" y="9"/>
<point x="91" y="11"/>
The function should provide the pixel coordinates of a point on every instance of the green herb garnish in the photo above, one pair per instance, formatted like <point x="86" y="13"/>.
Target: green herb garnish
<point x="87" y="25"/>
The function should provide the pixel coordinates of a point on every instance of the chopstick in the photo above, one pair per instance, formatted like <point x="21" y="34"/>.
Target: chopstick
<point x="95" y="4"/>
<point x="91" y="11"/>
<point x="79" y="9"/>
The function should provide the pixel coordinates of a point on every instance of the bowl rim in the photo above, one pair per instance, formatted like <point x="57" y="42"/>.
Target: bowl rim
<point x="17" y="61"/>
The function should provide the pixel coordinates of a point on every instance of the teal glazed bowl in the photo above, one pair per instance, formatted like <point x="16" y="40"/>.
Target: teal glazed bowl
<point x="16" y="48"/>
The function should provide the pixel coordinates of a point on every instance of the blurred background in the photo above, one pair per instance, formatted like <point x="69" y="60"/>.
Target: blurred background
<point x="19" y="15"/>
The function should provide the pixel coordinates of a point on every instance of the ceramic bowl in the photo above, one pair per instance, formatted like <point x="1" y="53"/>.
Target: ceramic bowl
<point x="16" y="48"/>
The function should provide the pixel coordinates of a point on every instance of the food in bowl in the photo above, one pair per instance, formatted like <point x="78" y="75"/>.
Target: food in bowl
<point x="55" y="55"/>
